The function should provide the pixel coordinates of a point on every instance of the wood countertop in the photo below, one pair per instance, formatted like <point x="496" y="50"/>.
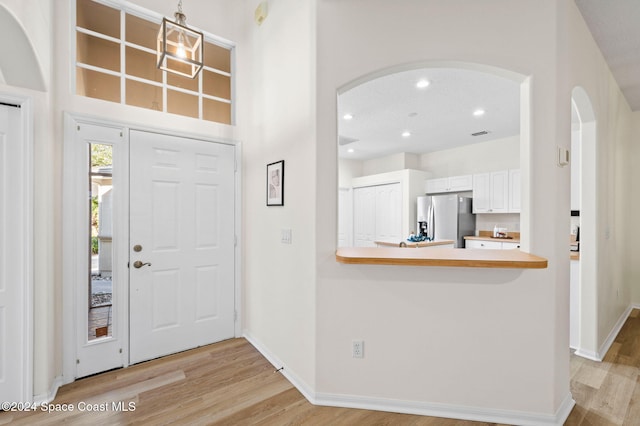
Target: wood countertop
<point x="514" y="237"/>
<point x="414" y="244"/>
<point x="466" y="258"/>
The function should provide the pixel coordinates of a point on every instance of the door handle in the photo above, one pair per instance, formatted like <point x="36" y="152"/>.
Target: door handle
<point x="138" y="264"/>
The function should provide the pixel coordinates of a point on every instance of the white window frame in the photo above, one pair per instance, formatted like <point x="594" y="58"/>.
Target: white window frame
<point x="128" y="8"/>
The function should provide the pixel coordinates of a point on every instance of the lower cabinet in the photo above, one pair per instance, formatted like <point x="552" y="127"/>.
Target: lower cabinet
<point x="496" y="245"/>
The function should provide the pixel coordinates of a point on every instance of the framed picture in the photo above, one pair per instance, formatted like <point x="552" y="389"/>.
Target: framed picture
<point x="275" y="183"/>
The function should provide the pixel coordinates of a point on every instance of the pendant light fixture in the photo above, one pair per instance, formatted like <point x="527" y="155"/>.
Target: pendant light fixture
<point x="179" y="47"/>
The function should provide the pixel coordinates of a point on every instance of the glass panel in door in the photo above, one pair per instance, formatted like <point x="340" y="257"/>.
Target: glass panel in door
<point x="100" y="280"/>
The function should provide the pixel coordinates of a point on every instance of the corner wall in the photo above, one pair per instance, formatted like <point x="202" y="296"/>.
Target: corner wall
<point x="276" y="86"/>
<point x="632" y="230"/>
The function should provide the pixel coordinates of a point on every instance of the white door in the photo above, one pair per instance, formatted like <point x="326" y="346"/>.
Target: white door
<point x="345" y="217"/>
<point x="182" y="231"/>
<point x="13" y="359"/>
<point x="364" y="216"/>
<point x="388" y="214"/>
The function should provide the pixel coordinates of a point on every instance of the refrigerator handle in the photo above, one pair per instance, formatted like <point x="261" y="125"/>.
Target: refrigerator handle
<point x="430" y="222"/>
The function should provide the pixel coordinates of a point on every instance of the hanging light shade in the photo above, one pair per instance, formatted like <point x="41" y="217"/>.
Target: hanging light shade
<point x="179" y="47"/>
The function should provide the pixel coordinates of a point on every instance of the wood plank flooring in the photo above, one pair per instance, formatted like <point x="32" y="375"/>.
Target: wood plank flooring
<point x="230" y="383"/>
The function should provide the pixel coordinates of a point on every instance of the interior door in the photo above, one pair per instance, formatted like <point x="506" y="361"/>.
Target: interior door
<point x="12" y="258"/>
<point x="182" y="244"/>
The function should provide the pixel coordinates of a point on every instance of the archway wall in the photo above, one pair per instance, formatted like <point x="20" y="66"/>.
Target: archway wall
<point x="27" y="74"/>
<point x="25" y="61"/>
<point x="610" y="162"/>
<point x="449" y="335"/>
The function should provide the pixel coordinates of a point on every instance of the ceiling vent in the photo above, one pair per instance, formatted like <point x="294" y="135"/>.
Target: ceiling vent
<point x="344" y="140"/>
<point x="484" y="132"/>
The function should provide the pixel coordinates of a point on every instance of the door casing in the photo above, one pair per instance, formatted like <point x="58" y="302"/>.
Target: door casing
<point x="71" y="249"/>
<point x="26" y="180"/>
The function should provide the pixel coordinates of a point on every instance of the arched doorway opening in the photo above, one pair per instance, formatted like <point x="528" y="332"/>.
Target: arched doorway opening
<point x="584" y="294"/>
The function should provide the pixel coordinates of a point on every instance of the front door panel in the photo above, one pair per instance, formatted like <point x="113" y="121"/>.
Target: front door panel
<point x="182" y="222"/>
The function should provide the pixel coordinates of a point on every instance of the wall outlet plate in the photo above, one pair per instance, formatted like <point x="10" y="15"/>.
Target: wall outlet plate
<point x="357" y="349"/>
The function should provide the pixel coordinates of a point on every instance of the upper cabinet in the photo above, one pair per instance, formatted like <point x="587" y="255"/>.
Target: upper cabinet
<point x="449" y="184"/>
<point x="497" y="192"/>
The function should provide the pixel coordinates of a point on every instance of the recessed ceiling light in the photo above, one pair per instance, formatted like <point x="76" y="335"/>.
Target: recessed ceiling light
<point x="406" y="134"/>
<point x="348" y="116"/>
<point x="478" y="112"/>
<point x="351" y="150"/>
<point x="421" y="84"/>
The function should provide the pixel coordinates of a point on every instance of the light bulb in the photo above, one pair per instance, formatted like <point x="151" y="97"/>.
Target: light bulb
<point x="181" y="53"/>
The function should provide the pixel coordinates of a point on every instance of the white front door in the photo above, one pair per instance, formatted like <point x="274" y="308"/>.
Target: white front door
<point x="13" y="258"/>
<point x="182" y="235"/>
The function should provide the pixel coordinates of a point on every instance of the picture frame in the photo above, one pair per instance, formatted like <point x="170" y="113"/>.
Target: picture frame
<point x="275" y="183"/>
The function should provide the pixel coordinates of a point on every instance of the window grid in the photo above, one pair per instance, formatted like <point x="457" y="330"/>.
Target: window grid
<point x="123" y="76"/>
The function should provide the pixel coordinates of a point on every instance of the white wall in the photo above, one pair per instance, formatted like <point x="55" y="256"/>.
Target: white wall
<point x="390" y="163"/>
<point x="277" y="122"/>
<point x="347" y="170"/>
<point x="632" y="231"/>
<point x="489" y="156"/>
<point x="449" y="335"/>
<point x="606" y="246"/>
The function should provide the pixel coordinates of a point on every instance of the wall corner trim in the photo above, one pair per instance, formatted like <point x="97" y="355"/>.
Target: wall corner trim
<point x="290" y="375"/>
<point x="46" y="398"/>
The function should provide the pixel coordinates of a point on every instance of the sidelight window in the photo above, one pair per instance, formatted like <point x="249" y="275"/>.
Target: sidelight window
<point x="100" y="246"/>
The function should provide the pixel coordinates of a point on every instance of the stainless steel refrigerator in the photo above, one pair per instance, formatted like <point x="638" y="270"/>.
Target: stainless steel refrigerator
<point x="446" y="217"/>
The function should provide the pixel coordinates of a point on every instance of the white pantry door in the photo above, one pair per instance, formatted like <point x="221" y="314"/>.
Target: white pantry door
<point x="12" y="257"/>
<point x="182" y="233"/>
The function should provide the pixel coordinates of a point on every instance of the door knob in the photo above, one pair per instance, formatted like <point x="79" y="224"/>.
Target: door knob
<point x="139" y="264"/>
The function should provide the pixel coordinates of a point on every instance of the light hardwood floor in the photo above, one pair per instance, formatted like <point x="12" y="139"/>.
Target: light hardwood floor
<point x="230" y="383"/>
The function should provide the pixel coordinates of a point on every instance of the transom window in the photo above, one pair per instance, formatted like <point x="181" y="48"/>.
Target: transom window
<point x="116" y="62"/>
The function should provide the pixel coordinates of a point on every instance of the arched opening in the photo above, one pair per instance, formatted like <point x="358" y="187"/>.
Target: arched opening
<point x="491" y="83"/>
<point x="19" y="65"/>
<point x="584" y="294"/>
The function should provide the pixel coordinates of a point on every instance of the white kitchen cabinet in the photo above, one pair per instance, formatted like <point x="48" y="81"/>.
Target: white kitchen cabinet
<point x="377" y="214"/>
<point x="515" y="190"/>
<point x="491" y="192"/>
<point x="496" y="245"/>
<point x="449" y="184"/>
<point x="509" y="246"/>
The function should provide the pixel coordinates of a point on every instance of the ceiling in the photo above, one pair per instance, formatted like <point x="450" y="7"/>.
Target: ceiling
<point x="440" y="116"/>
<point x="615" y="26"/>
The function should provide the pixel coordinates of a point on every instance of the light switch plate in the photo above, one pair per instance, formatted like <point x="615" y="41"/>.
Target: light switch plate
<point x="285" y="236"/>
<point x="563" y="156"/>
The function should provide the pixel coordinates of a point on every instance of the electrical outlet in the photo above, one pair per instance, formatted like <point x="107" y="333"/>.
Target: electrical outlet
<point x="357" y="349"/>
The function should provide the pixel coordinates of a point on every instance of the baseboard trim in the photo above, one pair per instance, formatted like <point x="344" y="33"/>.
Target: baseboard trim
<point x="51" y="395"/>
<point x="450" y="411"/>
<point x="606" y="345"/>
<point x="289" y="374"/>
<point x="414" y="407"/>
